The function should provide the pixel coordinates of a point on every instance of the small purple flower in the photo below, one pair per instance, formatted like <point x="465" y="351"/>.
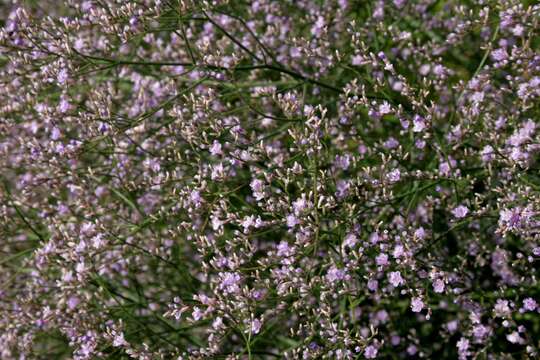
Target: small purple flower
<point x="514" y="338"/>
<point x="72" y="302"/>
<point x="292" y="221"/>
<point x="394" y="176"/>
<point x="230" y="282"/>
<point x="197" y="313"/>
<point x="399" y="251"/>
<point x="502" y="308"/>
<point x="350" y="240"/>
<point x="216" y="148"/>
<point x="480" y="332"/>
<point x="499" y="54"/>
<point x="195" y="197"/>
<point x="417" y="304"/>
<point x="412" y="349"/>
<point x="420" y="233"/>
<point x="418" y="124"/>
<point x="438" y="286"/>
<point x="372" y="285"/>
<point x="382" y="259"/>
<point x="62" y="76"/>
<point x="391" y="143"/>
<point x="119" y="340"/>
<point x="529" y="304"/>
<point x="395" y="278"/>
<point x="399" y="3"/>
<point x="487" y="153"/>
<point x="335" y="274"/>
<point x="55" y="133"/>
<point x="255" y="326"/>
<point x="370" y="352"/>
<point x="463" y="347"/>
<point x="64" y="106"/>
<point x="460" y="211"/>
<point x="257" y="186"/>
<point x="300" y="205"/>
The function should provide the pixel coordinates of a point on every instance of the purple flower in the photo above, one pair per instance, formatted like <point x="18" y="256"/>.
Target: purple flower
<point x="463" y="347"/>
<point x="230" y="282"/>
<point x="292" y="221"/>
<point x="350" y="240"/>
<point x="419" y="124"/>
<point x="372" y="285"/>
<point x="381" y="259"/>
<point x="257" y="186"/>
<point x="72" y="302"/>
<point x="399" y="251"/>
<point x="119" y="340"/>
<point x="370" y="352"/>
<point x="514" y="338"/>
<point x="394" y="175"/>
<point x="62" y="76"/>
<point x="335" y="274"/>
<point x="417" y="304"/>
<point x="300" y="205"/>
<point x="420" y="233"/>
<point x="460" y="211"/>
<point x="255" y="326"/>
<point x="529" y="304"/>
<point x="395" y="278"/>
<point x="480" y="332"/>
<point x="216" y="148"/>
<point x="438" y="286"/>
<point x="502" y="308"/>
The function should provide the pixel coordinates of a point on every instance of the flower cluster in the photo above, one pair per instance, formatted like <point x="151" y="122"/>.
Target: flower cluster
<point x="219" y="179"/>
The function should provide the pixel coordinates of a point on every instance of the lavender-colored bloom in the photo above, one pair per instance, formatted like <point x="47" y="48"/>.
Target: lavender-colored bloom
<point x="480" y="332"/>
<point x="335" y="274"/>
<point x="394" y="175"/>
<point x="460" y="212"/>
<point x="529" y="304"/>
<point x="412" y="349"/>
<point x="72" y="302"/>
<point x="257" y="186"/>
<point x="370" y="352"/>
<point x="438" y="286"/>
<point x="373" y="285"/>
<point x="420" y="233"/>
<point x="399" y="251"/>
<point x="417" y="304"/>
<point x="256" y="326"/>
<point x="418" y="124"/>
<point x="391" y="143"/>
<point x="382" y="259"/>
<point x="292" y="221"/>
<point x="395" y="278"/>
<point x="197" y="314"/>
<point x="300" y="205"/>
<point x="216" y="148"/>
<point x="62" y="76"/>
<point x="514" y="338"/>
<point x="463" y="347"/>
<point x="502" y="308"/>
<point x="350" y="240"/>
<point x="230" y="282"/>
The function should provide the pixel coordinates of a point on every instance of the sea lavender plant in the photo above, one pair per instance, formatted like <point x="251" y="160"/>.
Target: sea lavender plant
<point x="219" y="179"/>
